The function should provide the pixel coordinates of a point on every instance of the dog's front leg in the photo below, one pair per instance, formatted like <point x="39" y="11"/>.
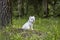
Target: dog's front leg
<point x="31" y="27"/>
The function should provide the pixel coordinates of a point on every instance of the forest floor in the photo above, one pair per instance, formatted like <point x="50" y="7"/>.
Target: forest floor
<point x="44" y="29"/>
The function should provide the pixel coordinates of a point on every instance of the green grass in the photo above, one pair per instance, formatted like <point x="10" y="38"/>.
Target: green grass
<point x="50" y="26"/>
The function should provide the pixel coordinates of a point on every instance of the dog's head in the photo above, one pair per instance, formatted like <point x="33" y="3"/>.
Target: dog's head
<point x="32" y="19"/>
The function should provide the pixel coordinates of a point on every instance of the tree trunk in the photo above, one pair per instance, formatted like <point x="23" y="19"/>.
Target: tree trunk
<point x="20" y="8"/>
<point x="36" y="7"/>
<point x="45" y="6"/>
<point x="26" y="7"/>
<point x="0" y="11"/>
<point x="9" y="11"/>
<point x="5" y="12"/>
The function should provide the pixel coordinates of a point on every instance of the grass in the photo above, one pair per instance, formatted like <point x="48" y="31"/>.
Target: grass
<point x="50" y="26"/>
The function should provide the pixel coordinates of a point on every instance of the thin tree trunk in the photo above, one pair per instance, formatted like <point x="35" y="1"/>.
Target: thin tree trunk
<point x="26" y="7"/>
<point x="45" y="6"/>
<point x="20" y="8"/>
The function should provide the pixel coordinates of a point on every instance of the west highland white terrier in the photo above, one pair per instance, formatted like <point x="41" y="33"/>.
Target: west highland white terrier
<point x="29" y="24"/>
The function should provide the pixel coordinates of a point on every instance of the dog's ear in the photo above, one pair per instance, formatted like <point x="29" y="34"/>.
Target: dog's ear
<point x="33" y="16"/>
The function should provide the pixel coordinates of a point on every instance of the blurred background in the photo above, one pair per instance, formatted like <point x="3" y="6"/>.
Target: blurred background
<point x="14" y="13"/>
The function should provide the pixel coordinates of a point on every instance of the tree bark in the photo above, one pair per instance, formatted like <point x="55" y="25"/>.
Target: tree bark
<point x="45" y="6"/>
<point x="5" y="12"/>
<point x="26" y="7"/>
<point x="20" y="8"/>
<point x="9" y="11"/>
<point x="0" y="11"/>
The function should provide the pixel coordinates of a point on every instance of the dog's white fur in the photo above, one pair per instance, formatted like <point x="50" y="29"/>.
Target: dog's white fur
<point x="29" y="24"/>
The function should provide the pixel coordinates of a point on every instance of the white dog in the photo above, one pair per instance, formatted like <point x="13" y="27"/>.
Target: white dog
<point x="29" y="24"/>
